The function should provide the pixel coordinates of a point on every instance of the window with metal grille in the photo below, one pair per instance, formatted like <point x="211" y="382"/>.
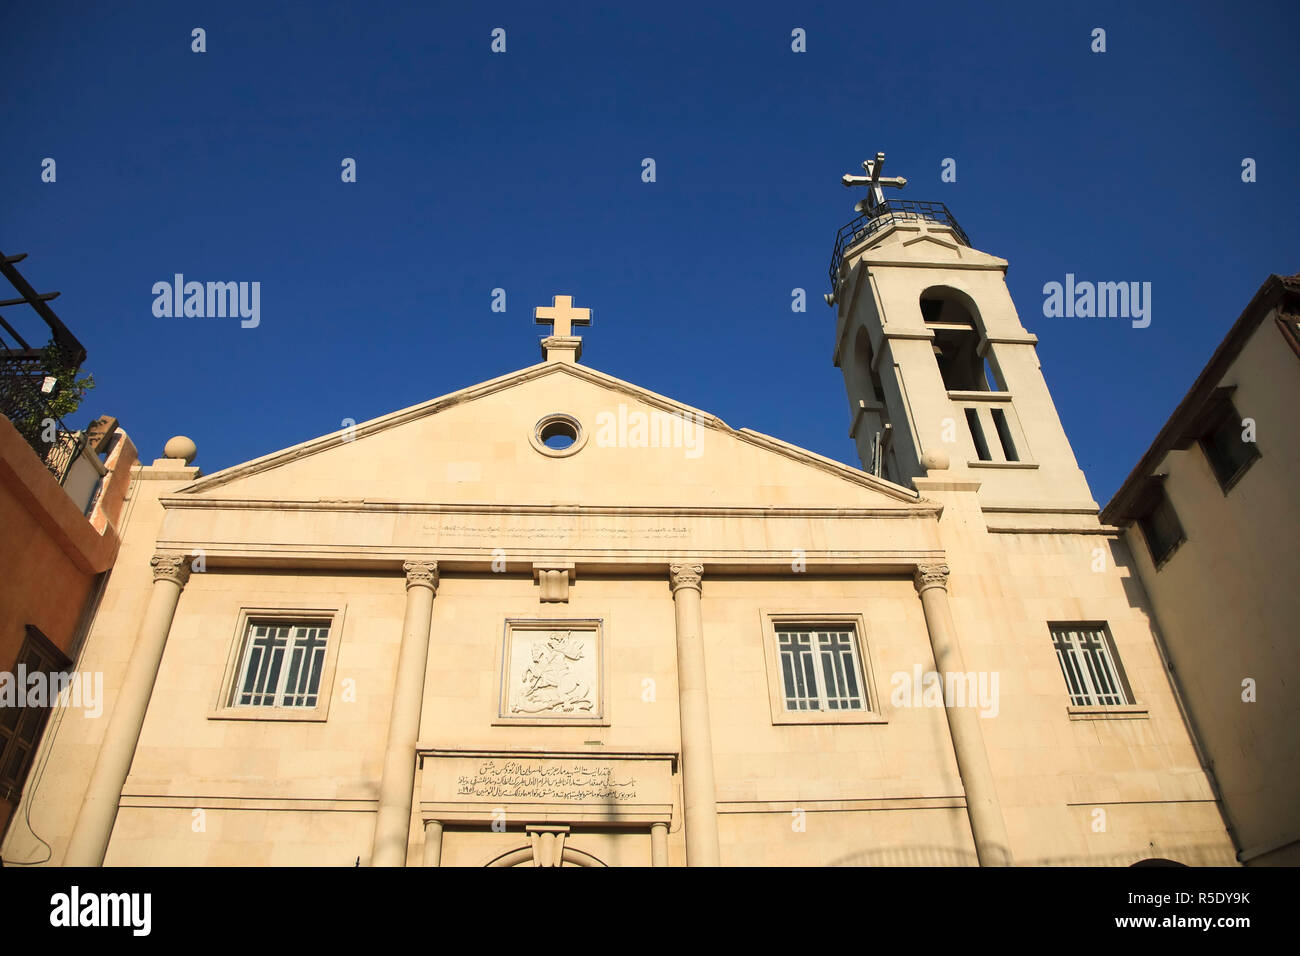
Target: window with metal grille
<point x="280" y="664"/>
<point x="21" y="724"/>
<point x="820" y="669"/>
<point x="1091" y="668"/>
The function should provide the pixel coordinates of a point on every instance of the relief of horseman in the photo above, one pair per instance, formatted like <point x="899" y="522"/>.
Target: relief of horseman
<point x="549" y="680"/>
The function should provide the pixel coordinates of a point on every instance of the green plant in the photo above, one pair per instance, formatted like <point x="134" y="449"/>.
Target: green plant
<point x="34" y="409"/>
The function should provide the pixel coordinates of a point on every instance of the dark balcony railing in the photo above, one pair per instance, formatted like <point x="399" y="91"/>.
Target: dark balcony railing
<point x="25" y="367"/>
<point x="54" y="443"/>
<point x="23" y="403"/>
<point x="63" y="451"/>
<point x="888" y="212"/>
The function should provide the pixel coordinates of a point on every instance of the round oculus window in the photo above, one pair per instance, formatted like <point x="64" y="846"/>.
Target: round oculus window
<point x="558" y="435"/>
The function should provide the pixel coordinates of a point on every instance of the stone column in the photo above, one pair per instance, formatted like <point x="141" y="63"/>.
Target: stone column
<point x="987" y="827"/>
<point x="658" y="844"/>
<point x="432" y="843"/>
<point x="699" y="796"/>
<point x="393" y="824"/>
<point x="89" y="841"/>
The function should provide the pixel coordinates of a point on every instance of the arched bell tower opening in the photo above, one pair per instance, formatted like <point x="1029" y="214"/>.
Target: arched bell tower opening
<point x="871" y="428"/>
<point x="961" y="350"/>
<point x="959" y="340"/>
<point x="862" y="362"/>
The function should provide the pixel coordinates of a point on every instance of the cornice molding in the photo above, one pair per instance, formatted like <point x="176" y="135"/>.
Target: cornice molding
<point x="917" y="507"/>
<point x="909" y="264"/>
<point x="220" y="556"/>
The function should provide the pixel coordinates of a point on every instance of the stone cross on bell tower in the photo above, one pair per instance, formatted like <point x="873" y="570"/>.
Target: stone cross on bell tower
<point x="561" y="345"/>
<point x="873" y="182"/>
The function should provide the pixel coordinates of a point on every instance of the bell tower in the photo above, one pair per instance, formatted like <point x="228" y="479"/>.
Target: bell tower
<point x="942" y="379"/>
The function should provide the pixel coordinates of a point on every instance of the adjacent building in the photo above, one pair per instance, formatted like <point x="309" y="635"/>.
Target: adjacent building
<point x="1209" y="514"/>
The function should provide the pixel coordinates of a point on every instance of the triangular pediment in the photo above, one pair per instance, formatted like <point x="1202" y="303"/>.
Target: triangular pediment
<point x="931" y="238"/>
<point x="920" y="243"/>
<point x="478" y="445"/>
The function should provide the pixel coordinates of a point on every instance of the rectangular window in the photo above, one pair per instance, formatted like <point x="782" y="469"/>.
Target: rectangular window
<point x="22" y="723"/>
<point x="1004" y="434"/>
<point x="281" y="664"/>
<point x="820" y="669"/>
<point x="1228" y="453"/>
<point x="1160" y="526"/>
<point x="1093" y="676"/>
<point x="977" y="433"/>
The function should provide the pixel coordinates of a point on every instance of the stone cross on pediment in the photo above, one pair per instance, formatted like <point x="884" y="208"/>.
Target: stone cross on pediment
<point x="561" y="315"/>
<point x="873" y="181"/>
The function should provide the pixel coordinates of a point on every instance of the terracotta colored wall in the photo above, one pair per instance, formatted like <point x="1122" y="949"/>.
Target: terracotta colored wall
<point x="41" y="584"/>
<point x="50" y="554"/>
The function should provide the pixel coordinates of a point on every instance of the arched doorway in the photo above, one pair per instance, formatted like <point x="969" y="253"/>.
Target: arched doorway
<point x="1156" y="861"/>
<point x="526" y="856"/>
<point x="547" y="846"/>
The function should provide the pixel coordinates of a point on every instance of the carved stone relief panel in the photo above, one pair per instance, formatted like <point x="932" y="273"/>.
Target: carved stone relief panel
<point x="553" y="672"/>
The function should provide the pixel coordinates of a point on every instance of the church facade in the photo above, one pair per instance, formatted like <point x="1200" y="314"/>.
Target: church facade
<point x="603" y="627"/>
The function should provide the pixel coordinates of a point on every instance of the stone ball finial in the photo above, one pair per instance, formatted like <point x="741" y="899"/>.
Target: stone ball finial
<point x="935" y="460"/>
<point x="180" y="447"/>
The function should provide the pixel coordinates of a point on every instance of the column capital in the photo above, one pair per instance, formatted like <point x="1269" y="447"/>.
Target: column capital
<point x="683" y="575"/>
<point x="931" y="576"/>
<point x="421" y="574"/>
<point x="171" y="566"/>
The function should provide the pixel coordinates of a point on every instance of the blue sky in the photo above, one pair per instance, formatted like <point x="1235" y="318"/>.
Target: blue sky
<point x="522" y="171"/>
